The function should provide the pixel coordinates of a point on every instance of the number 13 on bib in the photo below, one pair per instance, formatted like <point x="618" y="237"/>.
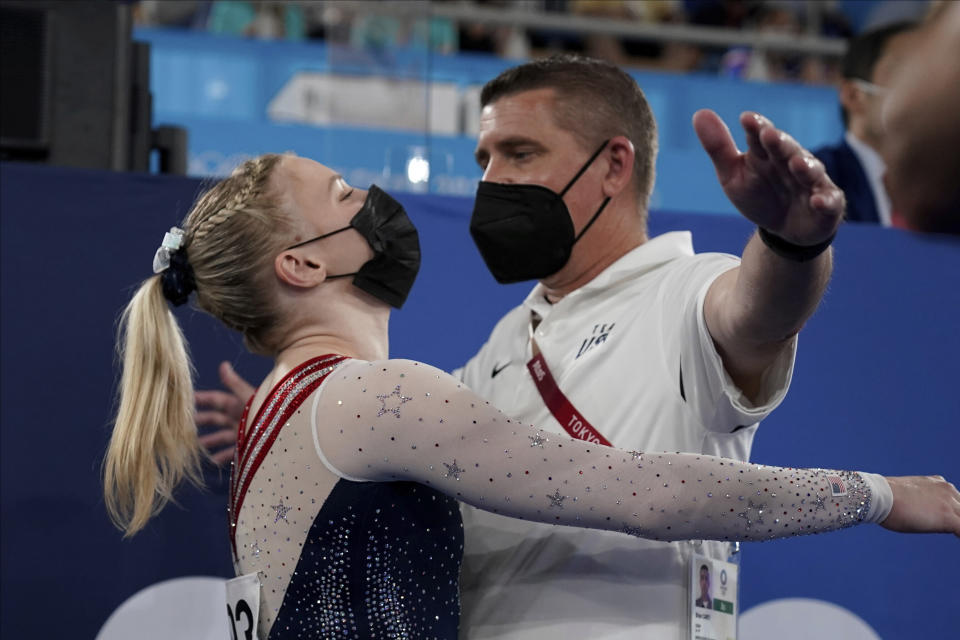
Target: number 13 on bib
<point x="243" y="606"/>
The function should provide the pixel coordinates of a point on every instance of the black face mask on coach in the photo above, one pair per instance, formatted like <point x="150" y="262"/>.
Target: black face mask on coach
<point x="524" y="231"/>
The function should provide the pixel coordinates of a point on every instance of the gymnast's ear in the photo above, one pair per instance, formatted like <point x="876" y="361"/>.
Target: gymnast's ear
<point x="297" y="268"/>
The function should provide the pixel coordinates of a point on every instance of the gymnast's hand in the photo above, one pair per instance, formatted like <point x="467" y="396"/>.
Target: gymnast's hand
<point x="776" y="183"/>
<point x="923" y="504"/>
<point x="224" y="410"/>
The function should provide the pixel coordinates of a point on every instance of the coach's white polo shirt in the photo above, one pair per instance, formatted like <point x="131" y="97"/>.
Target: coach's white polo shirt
<point x="631" y="351"/>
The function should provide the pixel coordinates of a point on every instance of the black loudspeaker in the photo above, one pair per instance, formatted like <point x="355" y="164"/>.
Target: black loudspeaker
<point x="81" y="52"/>
<point x="75" y="89"/>
<point x="25" y="70"/>
<point x="141" y="107"/>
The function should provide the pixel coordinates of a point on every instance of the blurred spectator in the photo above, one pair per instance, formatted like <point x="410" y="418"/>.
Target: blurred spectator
<point x="632" y="52"/>
<point x="185" y="14"/>
<point x="718" y="13"/>
<point x="920" y="114"/>
<point x="727" y="14"/>
<point x="547" y="41"/>
<point x="266" y="20"/>
<point x="677" y="57"/>
<point x="770" y="65"/>
<point x="599" y="46"/>
<point x="820" y="69"/>
<point x="376" y="33"/>
<point x="435" y="34"/>
<point x="504" y="41"/>
<point x="855" y="164"/>
<point x="477" y="37"/>
<point x="775" y="65"/>
<point x="777" y="18"/>
<point x="380" y="33"/>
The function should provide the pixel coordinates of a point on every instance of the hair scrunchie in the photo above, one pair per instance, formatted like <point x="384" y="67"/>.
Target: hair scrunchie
<point x="177" y="279"/>
<point x="176" y="274"/>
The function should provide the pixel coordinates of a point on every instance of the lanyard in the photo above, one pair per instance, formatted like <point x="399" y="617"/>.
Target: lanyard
<point x="562" y="409"/>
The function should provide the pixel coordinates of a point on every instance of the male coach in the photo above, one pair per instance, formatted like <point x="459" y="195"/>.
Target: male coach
<point x="650" y="346"/>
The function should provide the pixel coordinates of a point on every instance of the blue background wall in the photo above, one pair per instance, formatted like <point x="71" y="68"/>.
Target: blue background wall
<point x="875" y="389"/>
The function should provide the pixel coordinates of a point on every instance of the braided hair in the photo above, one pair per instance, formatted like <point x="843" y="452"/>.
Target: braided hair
<point x="229" y="240"/>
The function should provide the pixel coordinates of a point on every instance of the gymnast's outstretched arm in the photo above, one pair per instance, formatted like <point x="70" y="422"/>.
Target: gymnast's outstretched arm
<point x="401" y="420"/>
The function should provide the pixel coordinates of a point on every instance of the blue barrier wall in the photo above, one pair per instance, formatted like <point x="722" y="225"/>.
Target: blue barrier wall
<point x="219" y="89"/>
<point x="875" y="388"/>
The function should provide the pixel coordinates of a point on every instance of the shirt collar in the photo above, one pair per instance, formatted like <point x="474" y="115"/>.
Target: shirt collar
<point x="636" y="262"/>
<point x="874" y="168"/>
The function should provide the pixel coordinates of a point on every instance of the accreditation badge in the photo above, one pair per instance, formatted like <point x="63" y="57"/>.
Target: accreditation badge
<point x="243" y="606"/>
<point x="712" y="598"/>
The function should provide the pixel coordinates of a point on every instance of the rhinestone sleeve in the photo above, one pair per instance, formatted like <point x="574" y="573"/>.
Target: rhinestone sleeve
<point x="402" y="420"/>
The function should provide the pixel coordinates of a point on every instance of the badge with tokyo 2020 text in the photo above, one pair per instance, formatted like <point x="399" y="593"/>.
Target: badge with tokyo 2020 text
<point x="713" y="599"/>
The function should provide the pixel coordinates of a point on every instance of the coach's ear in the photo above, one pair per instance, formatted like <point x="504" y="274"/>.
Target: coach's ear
<point x="620" y="155"/>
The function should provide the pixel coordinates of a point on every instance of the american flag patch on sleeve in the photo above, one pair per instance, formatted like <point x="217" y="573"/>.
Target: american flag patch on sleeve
<point x="837" y="488"/>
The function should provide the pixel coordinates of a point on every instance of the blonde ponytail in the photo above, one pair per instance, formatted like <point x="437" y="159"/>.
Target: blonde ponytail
<point x="229" y="239"/>
<point x="154" y="443"/>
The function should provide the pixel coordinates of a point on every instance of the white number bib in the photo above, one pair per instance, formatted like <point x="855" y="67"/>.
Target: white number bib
<point x="243" y="606"/>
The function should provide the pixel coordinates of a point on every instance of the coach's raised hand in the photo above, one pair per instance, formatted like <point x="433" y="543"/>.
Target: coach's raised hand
<point x="753" y="311"/>
<point x="775" y="183"/>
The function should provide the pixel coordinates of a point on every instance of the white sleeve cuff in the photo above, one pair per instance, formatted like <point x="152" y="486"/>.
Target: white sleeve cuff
<point x="881" y="501"/>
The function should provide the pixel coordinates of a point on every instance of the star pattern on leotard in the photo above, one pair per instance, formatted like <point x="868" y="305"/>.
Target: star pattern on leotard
<point x="556" y="500"/>
<point x="453" y="471"/>
<point x="281" y="512"/>
<point x="745" y="514"/>
<point x="537" y="440"/>
<point x="394" y="410"/>
<point x="819" y="502"/>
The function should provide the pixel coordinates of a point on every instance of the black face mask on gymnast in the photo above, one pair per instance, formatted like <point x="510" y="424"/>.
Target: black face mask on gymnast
<point x="384" y="224"/>
<point x="524" y="231"/>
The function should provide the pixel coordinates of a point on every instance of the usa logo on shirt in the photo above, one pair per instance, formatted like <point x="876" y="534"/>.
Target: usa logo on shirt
<point x="597" y="337"/>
